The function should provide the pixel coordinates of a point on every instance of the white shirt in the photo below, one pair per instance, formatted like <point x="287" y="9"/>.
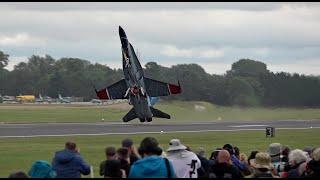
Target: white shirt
<point x="185" y="163"/>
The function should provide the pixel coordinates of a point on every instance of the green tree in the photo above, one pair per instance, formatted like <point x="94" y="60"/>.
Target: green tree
<point x="4" y="59"/>
<point x="248" y="67"/>
<point x="241" y="92"/>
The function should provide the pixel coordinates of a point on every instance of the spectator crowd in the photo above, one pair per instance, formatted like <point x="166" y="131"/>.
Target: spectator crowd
<point x="179" y="161"/>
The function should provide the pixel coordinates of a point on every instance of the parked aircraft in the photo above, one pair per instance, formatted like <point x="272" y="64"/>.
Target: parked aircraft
<point x="40" y="99"/>
<point x="25" y="98"/>
<point x="8" y="99"/>
<point x="136" y="87"/>
<point x="64" y="99"/>
<point x="96" y="101"/>
<point x="44" y="99"/>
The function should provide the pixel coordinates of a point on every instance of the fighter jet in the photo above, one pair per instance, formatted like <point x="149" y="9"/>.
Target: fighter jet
<point x="136" y="87"/>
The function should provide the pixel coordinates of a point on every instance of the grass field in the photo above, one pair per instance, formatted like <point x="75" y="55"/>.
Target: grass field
<point x="180" y="111"/>
<point x="19" y="153"/>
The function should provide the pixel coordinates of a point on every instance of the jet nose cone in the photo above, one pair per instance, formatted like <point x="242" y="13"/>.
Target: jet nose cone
<point x="122" y="34"/>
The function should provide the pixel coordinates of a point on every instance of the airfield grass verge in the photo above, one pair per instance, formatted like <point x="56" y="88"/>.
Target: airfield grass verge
<point x="19" y="153"/>
<point x="179" y="111"/>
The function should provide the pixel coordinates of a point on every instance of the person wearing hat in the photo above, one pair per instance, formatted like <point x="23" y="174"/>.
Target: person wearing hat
<point x="275" y="150"/>
<point x="133" y="155"/>
<point x="262" y="166"/>
<point x="185" y="163"/>
<point x="41" y="169"/>
<point x="152" y="164"/>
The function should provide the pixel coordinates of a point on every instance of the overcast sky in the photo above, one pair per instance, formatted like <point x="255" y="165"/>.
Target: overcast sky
<point x="285" y="36"/>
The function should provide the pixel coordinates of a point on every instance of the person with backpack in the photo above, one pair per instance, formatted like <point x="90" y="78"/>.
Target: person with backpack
<point x="151" y="165"/>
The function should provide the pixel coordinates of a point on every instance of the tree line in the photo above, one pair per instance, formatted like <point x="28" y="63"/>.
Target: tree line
<point x="247" y="83"/>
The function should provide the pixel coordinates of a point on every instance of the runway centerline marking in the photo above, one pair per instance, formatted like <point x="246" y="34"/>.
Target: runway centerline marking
<point x="155" y="132"/>
<point x="249" y="125"/>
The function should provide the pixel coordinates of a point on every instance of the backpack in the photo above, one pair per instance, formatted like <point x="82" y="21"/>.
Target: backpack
<point x="168" y="168"/>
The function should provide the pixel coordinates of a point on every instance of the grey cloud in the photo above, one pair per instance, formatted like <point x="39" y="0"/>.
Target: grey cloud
<point x="271" y="32"/>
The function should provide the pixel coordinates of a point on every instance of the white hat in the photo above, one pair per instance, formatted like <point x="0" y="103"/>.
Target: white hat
<point x="175" y="144"/>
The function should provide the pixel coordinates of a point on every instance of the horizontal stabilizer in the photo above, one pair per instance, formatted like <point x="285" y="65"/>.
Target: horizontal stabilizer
<point x="159" y="114"/>
<point x="130" y="115"/>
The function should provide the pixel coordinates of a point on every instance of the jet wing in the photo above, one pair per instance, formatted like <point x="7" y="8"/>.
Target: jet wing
<point x="114" y="91"/>
<point x="156" y="88"/>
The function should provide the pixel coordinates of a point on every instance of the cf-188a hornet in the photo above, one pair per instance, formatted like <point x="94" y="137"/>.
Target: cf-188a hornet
<point x="137" y="88"/>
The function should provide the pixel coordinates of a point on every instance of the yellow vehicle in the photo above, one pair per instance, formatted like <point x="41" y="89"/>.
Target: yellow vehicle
<point x="25" y="98"/>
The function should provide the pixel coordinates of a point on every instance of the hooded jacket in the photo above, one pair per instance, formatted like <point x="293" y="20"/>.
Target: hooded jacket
<point x="150" y="167"/>
<point x="69" y="164"/>
<point x="41" y="169"/>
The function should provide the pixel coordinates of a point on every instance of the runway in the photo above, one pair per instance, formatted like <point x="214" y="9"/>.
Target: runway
<point x="74" y="129"/>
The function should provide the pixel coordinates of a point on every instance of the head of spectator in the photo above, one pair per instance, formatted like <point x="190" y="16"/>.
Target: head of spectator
<point x="262" y="166"/>
<point x="18" y="174"/>
<point x="308" y="150"/>
<point x="123" y="153"/>
<point x="152" y="164"/>
<point x="133" y="154"/>
<point x="224" y="157"/>
<point x="229" y="148"/>
<point x="215" y="153"/>
<point x="41" y="169"/>
<point x="185" y="162"/>
<point x="298" y="162"/>
<point x="223" y="167"/>
<point x="176" y="145"/>
<point x="316" y="154"/>
<point x="71" y="146"/>
<point x="297" y="156"/>
<point x="313" y="166"/>
<point x="236" y="152"/>
<point x="285" y="154"/>
<point x="149" y="146"/>
<point x="274" y="151"/>
<point x="127" y="143"/>
<point x="201" y="152"/>
<point x="243" y="158"/>
<point x="252" y="157"/>
<point x="262" y="161"/>
<point x="68" y="163"/>
<point x="110" y="153"/>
